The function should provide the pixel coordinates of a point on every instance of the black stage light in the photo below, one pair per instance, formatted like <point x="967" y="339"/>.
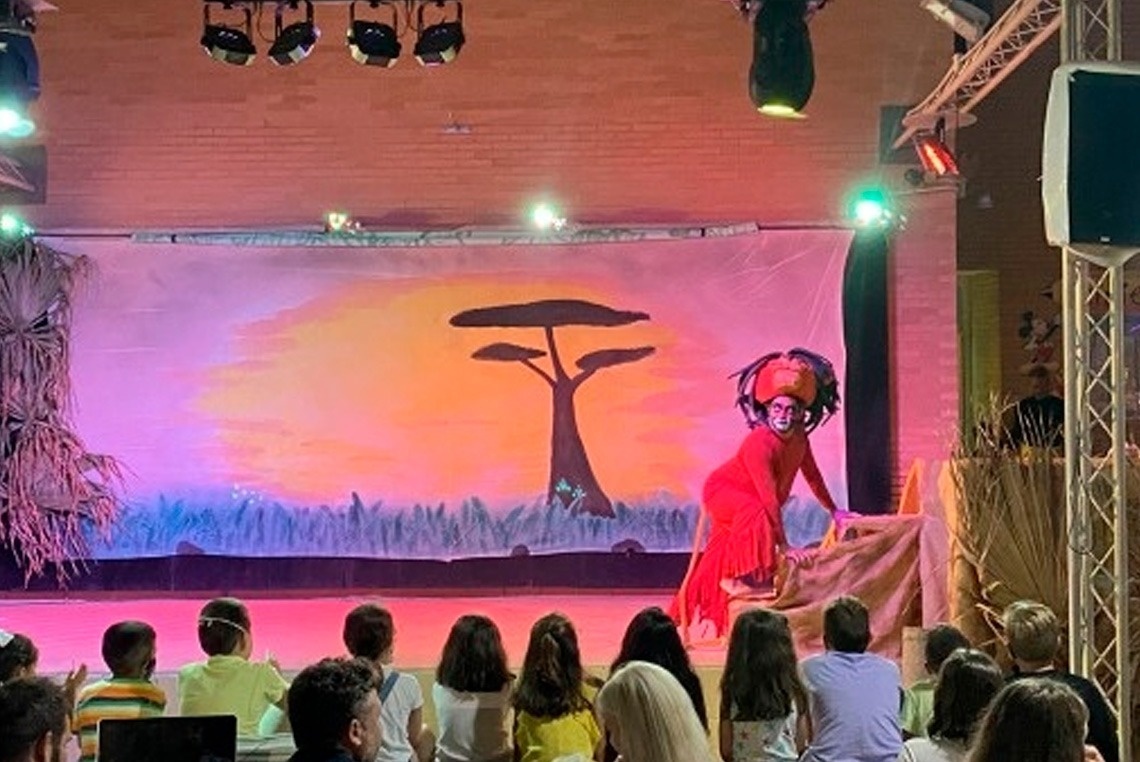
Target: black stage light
<point x="229" y="44"/>
<point x="293" y="43"/>
<point x="782" y="74"/>
<point x="441" y="42"/>
<point x="373" y="43"/>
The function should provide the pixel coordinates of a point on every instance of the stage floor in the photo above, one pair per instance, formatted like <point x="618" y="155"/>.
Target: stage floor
<point x="299" y="631"/>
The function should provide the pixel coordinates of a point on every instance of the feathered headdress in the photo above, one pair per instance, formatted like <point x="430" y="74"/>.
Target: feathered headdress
<point x="796" y="373"/>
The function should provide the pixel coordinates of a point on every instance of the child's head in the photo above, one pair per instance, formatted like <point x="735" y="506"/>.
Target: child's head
<point x="551" y="680"/>
<point x="846" y="625"/>
<point x="967" y="683"/>
<point x="1032" y="720"/>
<point x="1032" y="632"/>
<point x="941" y="641"/>
<point x="652" y="636"/>
<point x="129" y="649"/>
<point x="369" y="633"/>
<point x="761" y="678"/>
<point x="473" y="658"/>
<point x="18" y="656"/>
<point x="224" y="628"/>
<point x="649" y="717"/>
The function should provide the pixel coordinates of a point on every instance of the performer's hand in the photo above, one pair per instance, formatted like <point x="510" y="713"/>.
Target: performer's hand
<point x="1092" y="755"/>
<point x="840" y="519"/>
<point x="799" y="556"/>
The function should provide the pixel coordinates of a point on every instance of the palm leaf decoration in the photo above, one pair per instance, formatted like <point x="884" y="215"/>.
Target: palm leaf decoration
<point x="50" y="486"/>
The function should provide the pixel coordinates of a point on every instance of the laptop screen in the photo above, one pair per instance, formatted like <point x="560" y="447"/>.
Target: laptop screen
<point x="169" y="739"/>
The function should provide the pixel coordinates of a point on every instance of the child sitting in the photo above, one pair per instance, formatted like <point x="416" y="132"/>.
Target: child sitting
<point x="19" y="658"/>
<point x="228" y="682"/>
<point x="370" y="634"/>
<point x="472" y="694"/>
<point x="763" y="703"/>
<point x="553" y="718"/>
<point x="129" y="652"/>
<point x="918" y="700"/>
<point x="853" y="696"/>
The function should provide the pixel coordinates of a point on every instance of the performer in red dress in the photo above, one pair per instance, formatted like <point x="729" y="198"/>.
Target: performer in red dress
<point x="784" y="396"/>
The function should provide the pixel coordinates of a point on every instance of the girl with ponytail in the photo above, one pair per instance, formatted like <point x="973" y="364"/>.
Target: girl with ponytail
<point x="553" y="718"/>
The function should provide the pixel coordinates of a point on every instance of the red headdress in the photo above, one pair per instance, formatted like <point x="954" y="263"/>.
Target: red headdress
<point x="797" y="373"/>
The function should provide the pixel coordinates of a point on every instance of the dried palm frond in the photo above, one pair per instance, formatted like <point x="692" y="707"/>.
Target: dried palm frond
<point x="1011" y="531"/>
<point x="49" y="484"/>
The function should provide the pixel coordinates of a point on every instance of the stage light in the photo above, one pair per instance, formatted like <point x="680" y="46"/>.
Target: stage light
<point x="341" y="222"/>
<point x="935" y="156"/>
<point x="871" y="208"/>
<point x="293" y="43"/>
<point x="229" y="44"/>
<point x="12" y="226"/>
<point x="15" y="122"/>
<point x="966" y="19"/>
<point x="19" y="70"/>
<point x="546" y="217"/>
<point x="440" y="42"/>
<point x="782" y="75"/>
<point x="374" y="43"/>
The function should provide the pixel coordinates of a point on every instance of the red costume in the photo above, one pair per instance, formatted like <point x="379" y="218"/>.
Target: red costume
<point x="743" y="496"/>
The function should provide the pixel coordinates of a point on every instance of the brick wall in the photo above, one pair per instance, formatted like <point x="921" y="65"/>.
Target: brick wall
<point x="624" y="112"/>
<point x="924" y="329"/>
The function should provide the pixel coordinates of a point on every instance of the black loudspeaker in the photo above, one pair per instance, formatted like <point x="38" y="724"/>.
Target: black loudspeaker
<point x="1090" y="180"/>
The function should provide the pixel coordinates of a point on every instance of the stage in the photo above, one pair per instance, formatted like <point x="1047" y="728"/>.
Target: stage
<point x="300" y="630"/>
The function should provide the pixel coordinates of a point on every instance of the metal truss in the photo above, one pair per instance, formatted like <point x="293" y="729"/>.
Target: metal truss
<point x="1023" y="28"/>
<point x="1096" y="477"/>
<point x="1096" y="457"/>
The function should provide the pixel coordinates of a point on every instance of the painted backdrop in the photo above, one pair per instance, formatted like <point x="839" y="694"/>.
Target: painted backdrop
<point x="434" y="402"/>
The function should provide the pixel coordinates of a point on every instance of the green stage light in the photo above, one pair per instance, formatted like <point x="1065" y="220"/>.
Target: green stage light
<point x="872" y="208"/>
<point x="13" y="226"/>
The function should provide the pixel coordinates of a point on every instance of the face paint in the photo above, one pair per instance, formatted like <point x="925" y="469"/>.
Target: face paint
<point x="784" y="413"/>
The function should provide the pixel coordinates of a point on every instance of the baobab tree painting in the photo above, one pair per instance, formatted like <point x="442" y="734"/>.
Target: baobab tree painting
<point x="572" y="479"/>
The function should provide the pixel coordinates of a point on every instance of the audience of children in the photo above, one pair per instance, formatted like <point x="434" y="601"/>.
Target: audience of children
<point x="763" y="703"/>
<point x="370" y="634"/>
<point x="649" y="716"/>
<point x="334" y="712"/>
<point x="966" y="684"/>
<point x="130" y="653"/>
<point x="854" y="696"/>
<point x="842" y="705"/>
<point x="472" y="694"/>
<point x="228" y="682"/>
<point x="553" y="716"/>
<point x="1033" y="636"/>
<point x="918" y="700"/>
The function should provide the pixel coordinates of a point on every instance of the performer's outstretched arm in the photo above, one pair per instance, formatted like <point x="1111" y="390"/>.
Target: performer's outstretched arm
<point x="815" y="480"/>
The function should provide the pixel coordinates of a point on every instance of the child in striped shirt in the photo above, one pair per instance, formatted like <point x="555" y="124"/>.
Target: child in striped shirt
<point x="129" y="651"/>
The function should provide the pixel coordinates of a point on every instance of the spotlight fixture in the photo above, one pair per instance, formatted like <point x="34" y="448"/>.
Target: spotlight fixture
<point x="934" y="153"/>
<point x="293" y="43"/>
<point x="440" y="42"/>
<point x="13" y="227"/>
<point x="19" y="69"/>
<point x="340" y="222"/>
<point x="546" y="217"/>
<point x="872" y="208"/>
<point x="229" y="44"/>
<point x="966" y="19"/>
<point x="374" y="43"/>
<point x="782" y="75"/>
